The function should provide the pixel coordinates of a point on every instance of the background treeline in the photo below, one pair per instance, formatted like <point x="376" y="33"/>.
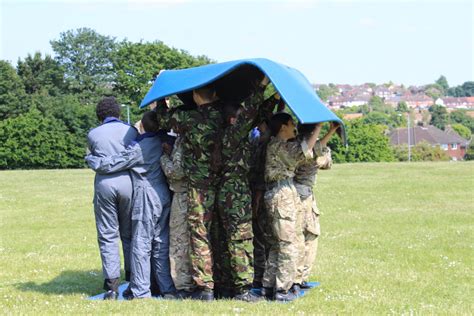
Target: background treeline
<point x="47" y="103"/>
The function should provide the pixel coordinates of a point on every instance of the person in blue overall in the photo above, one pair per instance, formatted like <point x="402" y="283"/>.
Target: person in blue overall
<point x="112" y="194"/>
<point x="150" y="209"/>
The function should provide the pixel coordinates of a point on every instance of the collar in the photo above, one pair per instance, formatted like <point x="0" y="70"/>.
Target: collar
<point x="146" y="135"/>
<point x="110" y="119"/>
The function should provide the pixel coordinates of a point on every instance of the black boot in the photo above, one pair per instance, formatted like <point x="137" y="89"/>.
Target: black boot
<point x="248" y="296"/>
<point x="284" y="296"/>
<point x="128" y="294"/>
<point x="268" y="293"/>
<point x="305" y="286"/>
<point x="203" y="295"/>
<point x="110" y="295"/>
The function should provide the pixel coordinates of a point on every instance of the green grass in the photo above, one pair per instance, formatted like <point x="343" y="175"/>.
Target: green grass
<point x="396" y="238"/>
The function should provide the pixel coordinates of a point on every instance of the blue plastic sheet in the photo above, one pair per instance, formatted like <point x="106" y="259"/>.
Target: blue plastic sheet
<point x="293" y="87"/>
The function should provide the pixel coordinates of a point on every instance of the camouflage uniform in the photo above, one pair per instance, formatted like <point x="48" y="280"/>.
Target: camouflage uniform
<point x="201" y="161"/>
<point x="261" y="229"/>
<point x="234" y="199"/>
<point x="281" y="200"/>
<point x="305" y="179"/>
<point x="179" y="230"/>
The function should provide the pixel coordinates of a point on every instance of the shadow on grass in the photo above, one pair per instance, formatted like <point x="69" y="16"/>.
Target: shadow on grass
<point x="68" y="282"/>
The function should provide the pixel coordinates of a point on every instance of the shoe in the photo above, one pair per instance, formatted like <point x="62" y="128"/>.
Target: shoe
<point x="248" y="296"/>
<point x="284" y="296"/>
<point x="223" y="293"/>
<point x="203" y="295"/>
<point x="305" y="286"/>
<point x="183" y="294"/>
<point x="110" y="295"/>
<point x="295" y="289"/>
<point x="170" y="296"/>
<point x="257" y="284"/>
<point x="268" y="293"/>
<point x="128" y="294"/>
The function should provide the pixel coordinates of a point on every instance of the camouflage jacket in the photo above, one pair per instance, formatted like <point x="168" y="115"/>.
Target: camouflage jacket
<point x="173" y="168"/>
<point x="282" y="157"/>
<point x="236" y="146"/>
<point x="306" y="171"/>
<point x="201" y="145"/>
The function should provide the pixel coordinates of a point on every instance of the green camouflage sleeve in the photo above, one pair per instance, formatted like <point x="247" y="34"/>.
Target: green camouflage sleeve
<point x="173" y="167"/>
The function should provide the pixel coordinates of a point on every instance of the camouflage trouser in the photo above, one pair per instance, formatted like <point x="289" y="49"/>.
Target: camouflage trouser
<point x="281" y="203"/>
<point x="179" y="243"/>
<point x="222" y="269"/>
<point x="311" y="231"/>
<point x="200" y="215"/>
<point x="261" y="236"/>
<point x="235" y="234"/>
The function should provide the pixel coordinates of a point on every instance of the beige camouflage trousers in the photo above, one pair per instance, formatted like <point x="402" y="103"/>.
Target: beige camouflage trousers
<point x="308" y="216"/>
<point x="280" y="269"/>
<point x="179" y="243"/>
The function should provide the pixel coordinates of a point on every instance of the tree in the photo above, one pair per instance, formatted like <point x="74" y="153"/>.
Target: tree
<point x="464" y="90"/>
<point x="33" y="140"/>
<point x="443" y="83"/>
<point x="377" y="104"/>
<point x="12" y="92"/>
<point x="461" y="117"/>
<point x="86" y="58"/>
<point x="462" y="131"/>
<point x="434" y="91"/>
<point x="324" y="92"/>
<point x="402" y="107"/>
<point x="40" y="74"/>
<point x="470" y="152"/>
<point x="439" y="116"/>
<point x="137" y="64"/>
<point x="366" y="143"/>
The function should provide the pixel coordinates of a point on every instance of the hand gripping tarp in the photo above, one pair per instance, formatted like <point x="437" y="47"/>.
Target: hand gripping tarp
<point x="233" y="80"/>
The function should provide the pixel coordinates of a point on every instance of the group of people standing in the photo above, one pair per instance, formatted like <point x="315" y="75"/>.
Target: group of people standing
<point x="241" y="212"/>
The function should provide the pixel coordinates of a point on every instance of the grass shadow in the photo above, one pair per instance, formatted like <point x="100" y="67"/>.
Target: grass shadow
<point x="68" y="282"/>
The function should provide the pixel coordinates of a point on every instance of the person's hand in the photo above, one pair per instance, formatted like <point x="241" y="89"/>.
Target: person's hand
<point x="167" y="148"/>
<point x="281" y="106"/>
<point x="264" y="81"/>
<point x="334" y="126"/>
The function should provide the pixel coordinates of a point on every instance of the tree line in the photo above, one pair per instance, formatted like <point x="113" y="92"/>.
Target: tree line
<point x="47" y="103"/>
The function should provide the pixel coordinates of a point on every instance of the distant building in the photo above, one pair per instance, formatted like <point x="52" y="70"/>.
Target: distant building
<point x="456" y="103"/>
<point x="450" y="141"/>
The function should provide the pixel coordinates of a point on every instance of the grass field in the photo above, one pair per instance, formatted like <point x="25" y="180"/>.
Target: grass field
<point x="397" y="238"/>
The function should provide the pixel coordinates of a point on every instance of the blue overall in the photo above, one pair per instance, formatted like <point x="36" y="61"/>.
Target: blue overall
<point x="112" y="199"/>
<point x="150" y="212"/>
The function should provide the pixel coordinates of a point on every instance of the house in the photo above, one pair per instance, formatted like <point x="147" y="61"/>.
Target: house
<point x="352" y="116"/>
<point x="456" y="103"/>
<point x="337" y="102"/>
<point x="450" y="141"/>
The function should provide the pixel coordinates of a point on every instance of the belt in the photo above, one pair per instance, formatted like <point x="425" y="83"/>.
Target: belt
<point x="274" y="184"/>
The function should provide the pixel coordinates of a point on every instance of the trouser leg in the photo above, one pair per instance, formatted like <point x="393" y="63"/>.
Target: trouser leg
<point x="107" y="225"/>
<point x="236" y="214"/>
<point x="140" y="258"/>
<point x="180" y="261"/>
<point x="160" y="252"/>
<point x="312" y="232"/>
<point x="201" y="204"/>
<point x="281" y="265"/>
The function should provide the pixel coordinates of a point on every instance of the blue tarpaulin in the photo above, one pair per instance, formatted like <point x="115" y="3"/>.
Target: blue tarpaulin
<point x="233" y="78"/>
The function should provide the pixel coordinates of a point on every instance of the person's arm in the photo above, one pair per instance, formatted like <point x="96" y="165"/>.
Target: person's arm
<point x="333" y="128"/>
<point x="127" y="159"/>
<point x="172" y="166"/>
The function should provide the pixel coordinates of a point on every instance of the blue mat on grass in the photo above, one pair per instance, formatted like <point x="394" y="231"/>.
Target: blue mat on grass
<point x="124" y="286"/>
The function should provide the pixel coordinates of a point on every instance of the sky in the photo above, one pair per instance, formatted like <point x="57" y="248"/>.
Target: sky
<point x="342" y="41"/>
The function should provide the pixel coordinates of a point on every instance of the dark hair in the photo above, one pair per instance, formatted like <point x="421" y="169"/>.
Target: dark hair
<point x="107" y="107"/>
<point x="150" y="122"/>
<point x="277" y="121"/>
<point x="306" y="129"/>
<point x="230" y="109"/>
